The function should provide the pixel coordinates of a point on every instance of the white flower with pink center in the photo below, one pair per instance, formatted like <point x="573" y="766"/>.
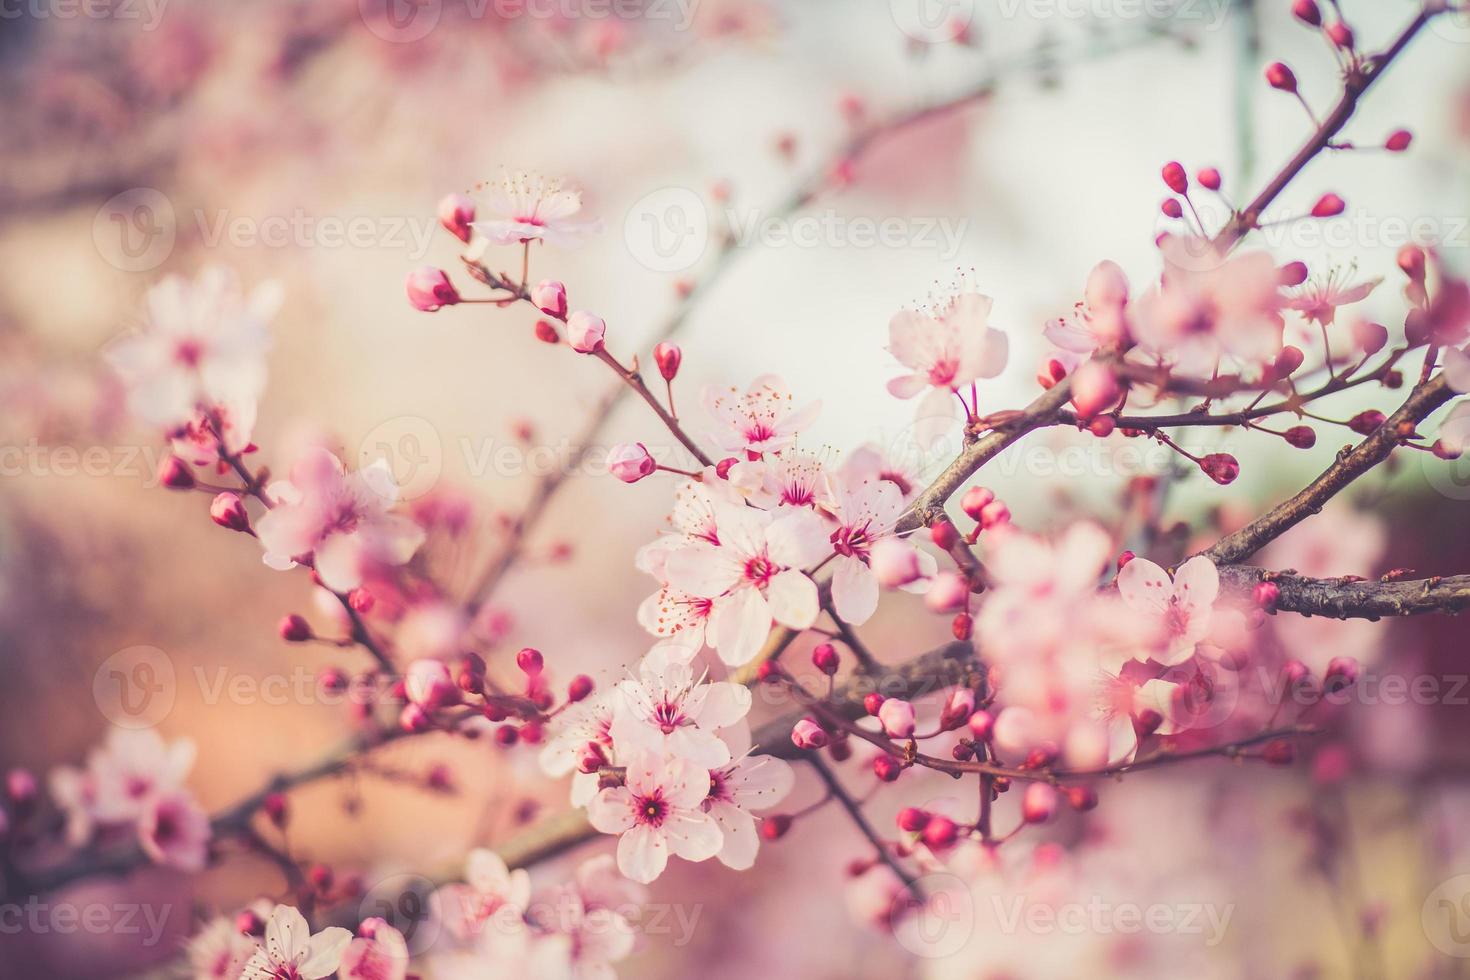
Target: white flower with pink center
<point x="219" y="951"/>
<point x="668" y="710"/>
<point x="586" y="924"/>
<point x="865" y="513"/>
<point x="528" y="208"/>
<point x="293" y="952"/>
<point x="490" y="891"/>
<point x="131" y="770"/>
<point x="1180" y="608"/>
<point x="792" y="479"/>
<point x="658" y="812"/>
<point x="763" y="419"/>
<point x="203" y="345"/>
<point x="585" y="722"/>
<point x="378" y="953"/>
<point x="754" y="576"/>
<point x="1098" y="320"/>
<point x="947" y="351"/>
<point x="736" y="790"/>
<point x="341" y="522"/>
<point x="1319" y="299"/>
<point x="871" y="463"/>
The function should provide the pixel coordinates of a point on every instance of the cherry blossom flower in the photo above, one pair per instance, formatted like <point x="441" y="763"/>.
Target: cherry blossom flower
<point x="293" y="952"/>
<point x="341" y="521"/>
<point x="1319" y="301"/>
<point x="378" y="953"/>
<point x="657" y="811"/>
<point x="202" y="346"/>
<point x="490" y="890"/>
<point x="587" y="721"/>
<point x="792" y="479"/>
<point x="761" y="420"/>
<point x="1182" y="606"/>
<point x="953" y="348"/>
<point x="753" y="576"/>
<point x="132" y="769"/>
<point x="219" y="951"/>
<point x="1457" y="368"/>
<point x="668" y="710"/>
<point x="743" y="785"/>
<point x="528" y="208"/>
<point x="173" y="830"/>
<point x="869" y="462"/>
<point x="1098" y="320"/>
<point x="865" y="513"/>
<point x="588" y="928"/>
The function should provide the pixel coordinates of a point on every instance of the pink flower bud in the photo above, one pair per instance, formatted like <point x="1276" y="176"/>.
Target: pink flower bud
<point x="1328" y="206"/>
<point x="1301" y="436"/>
<point x="585" y="332"/>
<point x="429" y="684"/>
<point x="579" y="688"/>
<point x="1094" y="388"/>
<point x="1281" y="77"/>
<point x="1398" y="141"/>
<point x="1265" y="595"/>
<point x="825" y="658"/>
<point x="943" y="534"/>
<point x="1287" y="361"/>
<point x="546" y="333"/>
<point x="1172" y="208"/>
<point x="1292" y="274"/>
<point x="887" y="768"/>
<point x="1279" y="753"/>
<point x="1102" y="426"/>
<point x="630" y="462"/>
<point x="414" y="719"/>
<point x="1124" y="559"/>
<point x="228" y="511"/>
<point x="1175" y="177"/>
<point x="982" y="724"/>
<point x="21" y="789"/>
<point x="1369" y="337"/>
<point x="1307" y="12"/>
<point x="895" y="563"/>
<point x="429" y="289"/>
<point x="550" y="297"/>
<point x="872" y="702"/>
<point x="248" y="923"/>
<point x="275" y="809"/>
<point x="506" y="736"/>
<point x="591" y="758"/>
<point x="455" y="213"/>
<point x="957" y="709"/>
<point x="530" y="661"/>
<point x="175" y="474"/>
<point x="775" y="826"/>
<point x="1366" y="422"/>
<point x="1081" y="798"/>
<point x="940" y="832"/>
<point x="994" y="514"/>
<point x="668" y="357"/>
<point x="1209" y="179"/>
<point x="897" y="718"/>
<point x="1340" y="34"/>
<point x="1039" y="804"/>
<point x="1342" y="673"/>
<point x="807" y="734"/>
<point x="1223" y="468"/>
<point x="294" y="629"/>
<point x="912" y="819"/>
<point x="948" y="591"/>
<point x="974" y="501"/>
<point x="1411" y="260"/>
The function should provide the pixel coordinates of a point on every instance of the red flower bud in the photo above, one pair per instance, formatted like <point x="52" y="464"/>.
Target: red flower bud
<point x="1301" y="436"/>
<point x="1342" y="673"/>
<point x="912" y="819"/>
<point x="530" y="661"/>
<point x="975" y="500"/>
<point x="1279" y="753"/>
<point x="1281" y="77"/>
<point x="1223" y="468"/>
<point x="1175" y="177"/>
<point x="1307" y="12"/>
<point x="1287" y="361"/>
<point x="962" y="626"/>
<point x="1293" y="273"/>
<point x="1081" y="798"/>
<point x="507" y="736"/>
<point x="1328" y="206"/>
<point x="668" y="357"/>
<point x="940" y="832"/>
<point x="1411" y="260"/>
<point x="546" y="333"/>
<point x="1265" y="595"/>
<point x="1209" y="179"/>
<point x="579" y="688"/>
<point x="228" y="511"/>
<point x="1340" y="34"/>
<point x="887" y="768"/>
<point x="825" y="658"/>
<point x="175" y="474"/>
<point x="275" y="809"/>
<point x="294" y="629"/>
<point x="872" y="702"/>
<point x="943" y="534"/>
<point x="1398" y="141"/>
<point x="775" y="826"/>
<point x="1366" y="422"/>
<point x="1172" y="208"/>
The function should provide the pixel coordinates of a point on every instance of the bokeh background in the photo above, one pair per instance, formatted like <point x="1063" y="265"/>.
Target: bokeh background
<point x="144" y="140"/>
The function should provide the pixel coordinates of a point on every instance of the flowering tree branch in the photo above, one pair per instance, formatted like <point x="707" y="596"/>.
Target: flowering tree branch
<point x="1350" y="598"/>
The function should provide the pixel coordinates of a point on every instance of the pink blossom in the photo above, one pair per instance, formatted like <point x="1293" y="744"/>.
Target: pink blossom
<point x="630" y="462"/>
<point x="737" y="789"/>
<point x="429" y="289"/>
<point x="527" y="208"/>
<point x="869" y="462"/>
<point x="895" y="563"/>
<point x="202" y="348"/>
<point x="585" y="332"/>
<point x="807" y="734"/>
<point x="378" y="953"/>
<point x="666" y="709"/>
<point x="550" y="297"/>
<point x="429" y="684"/>
<point x="490" y="890"/>
<point x="292" y="952"/>
<point x="792" y="479"/>
<point x="865" y="513"/>
<point x="131" y="769"/>
<point x="897" y="718"/>
<point x="455" y="213"/>
<point x="1098" y="321"/>
<point x="658" y="811"/>
<point x="762" y="420"/>
<point x="219" y="951"/>
<point x="953" y="348"/>
<point x="1182" y="606"/>
<point x="341" y="522"/>
<point x="753" y="575"/>
<point x="587" y="929"/>
<point x="1319" y="301"/>
<point x="173" y="830"/>
<point x="587" y="722"/>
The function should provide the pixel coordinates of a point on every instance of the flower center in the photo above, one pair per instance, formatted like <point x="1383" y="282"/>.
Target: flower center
<point x="851" y="542"/>
<point x="668" y="716"/>
<point x="943" y="371"/>
<point x="1176" y="619"/>
<point x="760" y="570"/>
<point x="652" y="809"/>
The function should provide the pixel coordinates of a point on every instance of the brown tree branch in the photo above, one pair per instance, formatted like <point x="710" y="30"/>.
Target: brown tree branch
<point x="1346" y="598"/>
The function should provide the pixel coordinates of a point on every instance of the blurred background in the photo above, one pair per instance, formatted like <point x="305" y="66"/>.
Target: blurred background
<point x="310" y="142"/>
